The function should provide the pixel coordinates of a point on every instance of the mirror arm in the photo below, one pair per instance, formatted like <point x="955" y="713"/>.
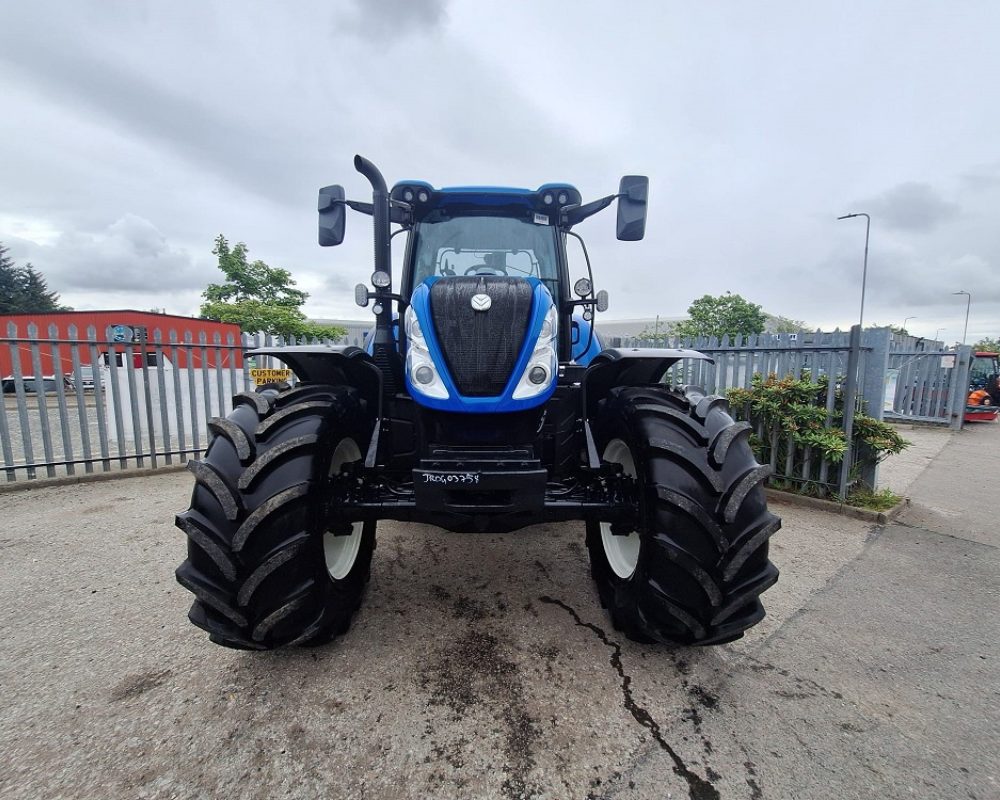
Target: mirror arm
<point x="399" y="212"/>
<point x="364" y="208"/>
<point x="576" y="214"/>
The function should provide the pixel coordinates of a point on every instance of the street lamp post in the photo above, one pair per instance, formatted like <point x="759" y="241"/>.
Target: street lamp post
<point x="853" y="361"/>
<point x="938" y="333"/>
<point x="968" y="305"/>
<point x="907" y="319"/>
<point x="864" y="273"/>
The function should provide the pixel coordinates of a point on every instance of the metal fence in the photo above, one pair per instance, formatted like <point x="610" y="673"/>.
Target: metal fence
<point x="854" y="364"/>
<point x="881" y="374"/>
<point x="101" y="405"/>
<point x="112" y="406"/>
<point x="930" y="386"/>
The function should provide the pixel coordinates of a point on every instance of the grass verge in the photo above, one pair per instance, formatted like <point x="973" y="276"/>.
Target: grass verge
<point x="880" y="500"/>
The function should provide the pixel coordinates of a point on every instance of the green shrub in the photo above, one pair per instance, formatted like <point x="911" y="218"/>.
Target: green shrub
<point x="790" y="415"/>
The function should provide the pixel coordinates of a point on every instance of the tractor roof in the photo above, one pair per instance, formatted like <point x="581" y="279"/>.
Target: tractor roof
<point x="424" y="199"/>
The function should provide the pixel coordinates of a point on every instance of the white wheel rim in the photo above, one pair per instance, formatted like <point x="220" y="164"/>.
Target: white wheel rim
<point x="622" y="552"/>
<point x="342" y="551"/>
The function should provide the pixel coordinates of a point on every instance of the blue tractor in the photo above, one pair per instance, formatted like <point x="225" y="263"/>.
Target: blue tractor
<point x="483" y="402"/>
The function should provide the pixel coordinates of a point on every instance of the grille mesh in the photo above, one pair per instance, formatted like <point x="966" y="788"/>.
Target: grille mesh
<point x="481" y="347"/>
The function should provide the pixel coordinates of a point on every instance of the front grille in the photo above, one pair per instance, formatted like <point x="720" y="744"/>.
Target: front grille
<point x="481" y="347"/>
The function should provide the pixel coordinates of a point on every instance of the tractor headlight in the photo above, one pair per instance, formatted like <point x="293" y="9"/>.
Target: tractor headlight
<point x="419" y="365"/>
<point x="541" y="368"/>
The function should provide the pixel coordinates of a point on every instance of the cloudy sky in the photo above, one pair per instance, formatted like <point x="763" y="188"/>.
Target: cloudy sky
<point x="135" y="132"/>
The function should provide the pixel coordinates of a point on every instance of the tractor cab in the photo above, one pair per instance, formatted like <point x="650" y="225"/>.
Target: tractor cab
<point x="984" y="388"/>
<point x="985" y="370"/>
<point x="500" y="232"/>
<point x="486" y="309"/>
<point x="483" y="279"/>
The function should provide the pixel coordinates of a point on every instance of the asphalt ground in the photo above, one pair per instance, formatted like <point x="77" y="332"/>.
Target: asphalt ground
<point x="483" y="666"/>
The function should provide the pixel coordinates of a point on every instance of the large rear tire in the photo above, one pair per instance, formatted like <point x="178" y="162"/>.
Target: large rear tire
<point x="264" y="570"/>
<point x="694" y="570"/>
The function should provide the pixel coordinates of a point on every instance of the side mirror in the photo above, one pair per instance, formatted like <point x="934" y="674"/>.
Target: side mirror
<point x="602" y="300"/>
<point x="633" y="192"/>
<point x="332" y="215"/>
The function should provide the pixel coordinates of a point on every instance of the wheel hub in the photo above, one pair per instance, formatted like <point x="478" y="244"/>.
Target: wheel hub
<point x="622" y="551"/>
<point x="341" y="549"/>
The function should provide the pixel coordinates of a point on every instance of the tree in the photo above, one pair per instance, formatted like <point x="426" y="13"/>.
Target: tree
<point x="23" y="290"/>
<point x="258" y="297"/>
<point x="728" y="314"/>
<point x="9" y="288"/>
<point x="786" y="325"/>
<point x="658" y="333"/>
<point x="988" y="344"/>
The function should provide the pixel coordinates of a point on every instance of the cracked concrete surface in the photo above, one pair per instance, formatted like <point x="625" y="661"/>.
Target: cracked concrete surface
<point x="484" y="667"/>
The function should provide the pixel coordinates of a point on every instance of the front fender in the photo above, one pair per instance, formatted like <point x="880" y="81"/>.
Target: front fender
<point x="629" y="367"/>
<point x="343" y="365"/>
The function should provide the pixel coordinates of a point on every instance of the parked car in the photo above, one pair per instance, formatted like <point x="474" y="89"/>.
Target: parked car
<point x="90" y="375"/>
<point x="47" y="384"/>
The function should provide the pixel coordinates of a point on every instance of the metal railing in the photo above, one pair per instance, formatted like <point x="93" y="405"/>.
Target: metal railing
<point x="880" y="374"/>
<point x="115" y="406"/>
<point x="930" y="386"/>
<point x="849" y="364"/>
<point x="92" y="404"/>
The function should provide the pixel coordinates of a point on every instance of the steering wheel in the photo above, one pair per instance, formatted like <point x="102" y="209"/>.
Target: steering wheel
<point x="491" y="270"/>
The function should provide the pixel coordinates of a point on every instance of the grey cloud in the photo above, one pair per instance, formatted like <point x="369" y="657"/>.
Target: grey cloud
<point x="213" y="137"/>
<point x="273" y="142"/>
<point x="338" y="284"/>
<point x="912" y="206"/>
<point x="392" y="19"/>
<point x="225" y="116"/>
<point x="129" y="255"/>
<point x="982" y="178"/>
<point x="906" y="277"/>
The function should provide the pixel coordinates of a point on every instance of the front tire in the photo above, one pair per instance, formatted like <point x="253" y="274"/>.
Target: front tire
<point x="693" y="571"/>
<point x="264" y="570"/>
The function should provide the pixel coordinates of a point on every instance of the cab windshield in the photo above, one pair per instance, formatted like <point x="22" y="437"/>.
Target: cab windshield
<point x="485" y="246"/>
<point x="982" y="368"/>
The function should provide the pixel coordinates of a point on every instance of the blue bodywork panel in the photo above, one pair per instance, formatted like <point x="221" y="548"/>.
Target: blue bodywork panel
<point x="582" y="353"/>
<point x="420" y="303"/>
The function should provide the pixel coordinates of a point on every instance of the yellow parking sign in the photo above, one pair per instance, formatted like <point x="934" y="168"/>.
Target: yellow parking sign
<point x="260" y="376"/>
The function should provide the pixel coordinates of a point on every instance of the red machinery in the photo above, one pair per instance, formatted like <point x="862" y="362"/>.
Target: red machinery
<point x="983" y="404"/>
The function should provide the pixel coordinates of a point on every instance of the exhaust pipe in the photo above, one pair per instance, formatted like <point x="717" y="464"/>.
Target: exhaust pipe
<point x="380" y="211"/>
<point x="383" y="347"/>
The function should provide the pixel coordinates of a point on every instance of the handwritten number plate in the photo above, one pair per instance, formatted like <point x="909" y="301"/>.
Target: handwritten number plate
<point x="452" y="478"/>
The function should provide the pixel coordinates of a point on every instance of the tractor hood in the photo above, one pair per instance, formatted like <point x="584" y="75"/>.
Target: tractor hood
<point x="480" y="344"/>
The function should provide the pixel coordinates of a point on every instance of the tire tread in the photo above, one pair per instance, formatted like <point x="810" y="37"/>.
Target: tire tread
<point x="703" y="557"/>
<point x="255" y="564"/>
